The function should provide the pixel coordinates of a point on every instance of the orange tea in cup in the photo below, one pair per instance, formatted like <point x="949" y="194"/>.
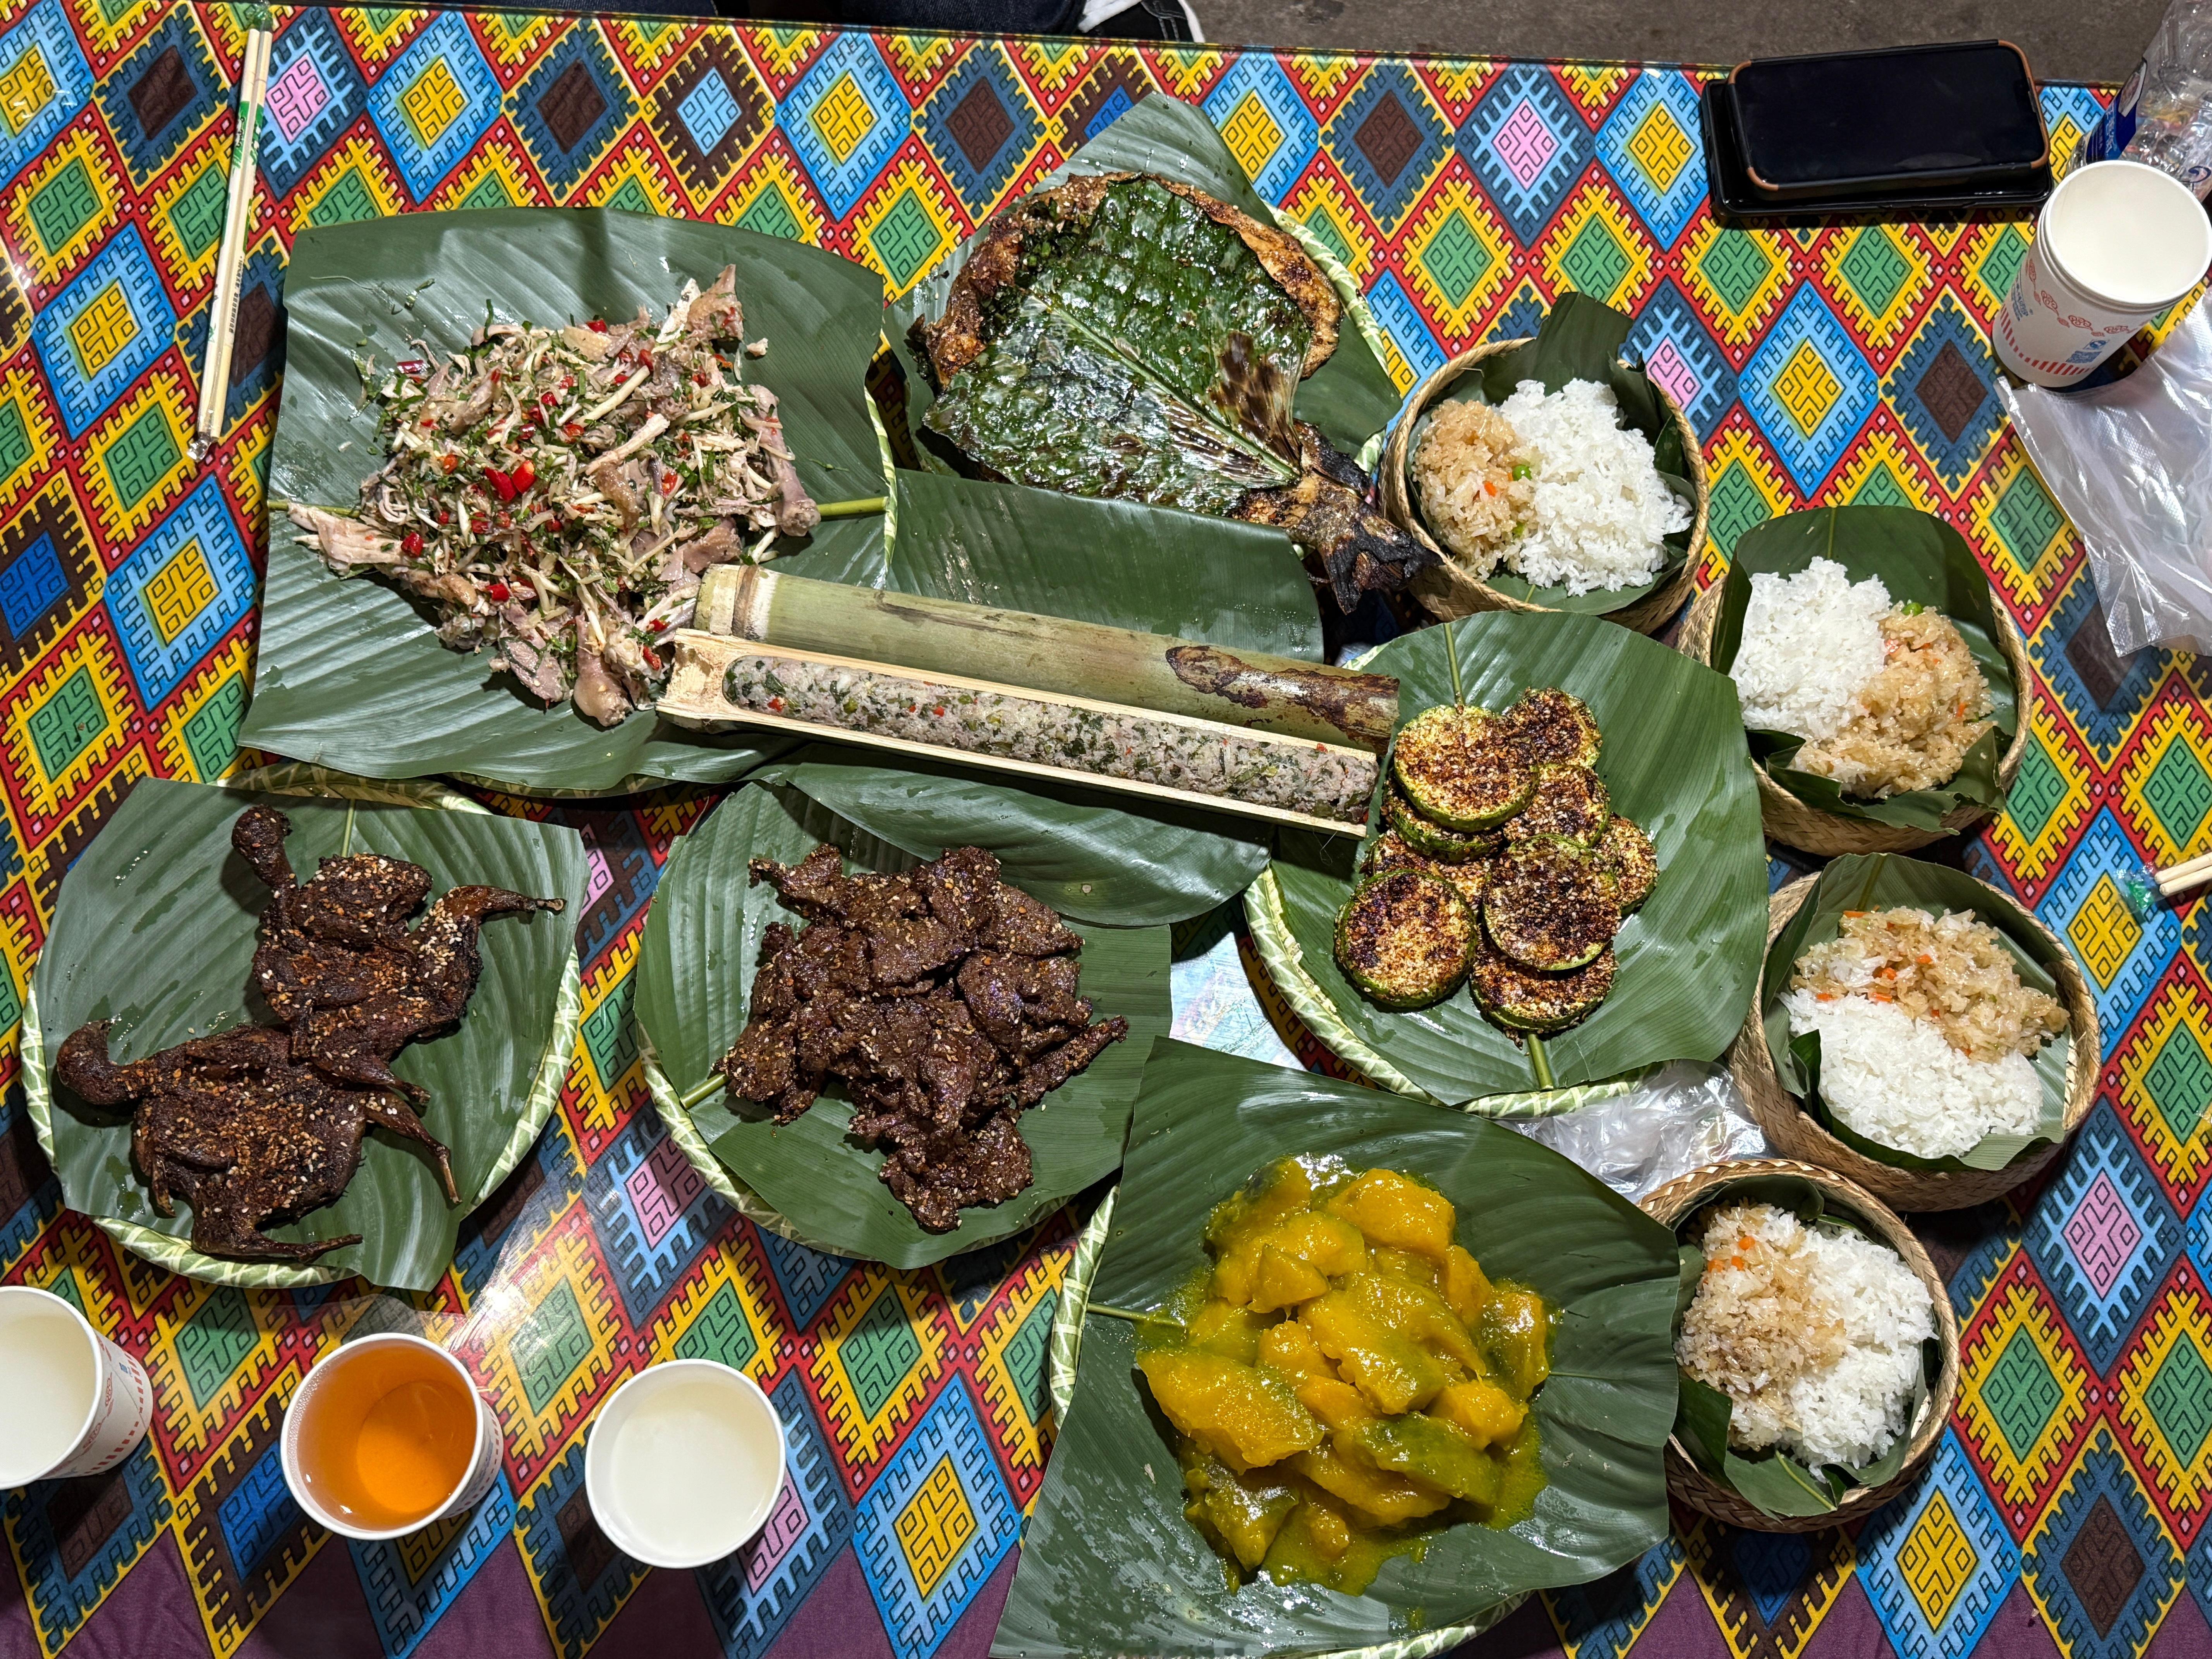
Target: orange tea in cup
<point x="385" y="1434"/>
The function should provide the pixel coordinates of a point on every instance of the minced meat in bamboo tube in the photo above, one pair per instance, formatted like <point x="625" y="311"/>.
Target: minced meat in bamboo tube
<point x="1291" y="775"/>
<point x="557" y="493"/>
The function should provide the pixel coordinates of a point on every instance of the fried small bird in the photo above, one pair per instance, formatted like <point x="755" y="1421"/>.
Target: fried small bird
<point x="248" y="1136"/>
<point x="338" y="965"/>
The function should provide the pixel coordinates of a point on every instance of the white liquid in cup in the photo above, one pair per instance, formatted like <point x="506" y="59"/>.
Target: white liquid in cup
<point x="51" y="1375"/>
<point x="76" y="1403"/>
<point x="2116" y="243"/>
<point x="684" y="1463"/>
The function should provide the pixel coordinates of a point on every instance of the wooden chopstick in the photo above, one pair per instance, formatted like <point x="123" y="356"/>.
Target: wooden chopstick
<point x="237" y="226"/>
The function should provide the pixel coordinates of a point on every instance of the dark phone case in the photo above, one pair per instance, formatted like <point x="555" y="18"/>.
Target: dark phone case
<point x="1729" y="184"/>
<point x="2034" y="161"/>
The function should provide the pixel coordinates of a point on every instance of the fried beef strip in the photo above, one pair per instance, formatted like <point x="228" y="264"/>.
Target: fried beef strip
<point x="945" y="1002"/>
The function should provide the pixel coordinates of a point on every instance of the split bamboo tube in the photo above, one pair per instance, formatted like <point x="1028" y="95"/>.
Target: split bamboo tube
<point x="1052" y="654"/>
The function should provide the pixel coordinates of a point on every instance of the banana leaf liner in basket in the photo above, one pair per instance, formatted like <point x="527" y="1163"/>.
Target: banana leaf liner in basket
<point x="1580" y="338"/>
<point x="1673" y="762"/>
<point x="155" y="929"/>
<point x="2068" y="1064"/>
<point x="1110" y="1516"/>
<point x="1920" y="559"/>
<point x="1793" y="1500"/>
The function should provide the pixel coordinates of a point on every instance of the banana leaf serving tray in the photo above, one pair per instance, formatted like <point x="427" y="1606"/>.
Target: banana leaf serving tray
<point x="155" y="930"/>
<point x="351" y="673"/>
<point x="1110" y="1566"/>
<point x="1118" y="878"/>
<point x="1673" y="760"/>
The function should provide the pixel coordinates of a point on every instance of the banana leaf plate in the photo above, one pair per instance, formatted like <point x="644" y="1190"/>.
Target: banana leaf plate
<point x="1204" y="1122"/>
<point x="1119" y="563"/>
<point x="350" y="674"/>
<point x="154" y="929"/>
<point x="1673" y="760"/>
<point x="1116" y="878"/>
<point x="1920" y="560"/>
<point x="1351" y="397"/>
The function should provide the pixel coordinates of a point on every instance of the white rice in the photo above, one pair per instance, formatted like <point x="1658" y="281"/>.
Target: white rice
<point x="1602" y="509"/>
<point x="1894" y="1079"/>
<point x="1810" y="641"/>
<point x="1847" y="1409"/>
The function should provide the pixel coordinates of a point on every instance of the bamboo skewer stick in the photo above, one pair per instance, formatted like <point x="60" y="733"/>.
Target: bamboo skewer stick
<point x="2148" y="889"/>
<point x="1052" y="654"/>
<point x="237" y="226"/>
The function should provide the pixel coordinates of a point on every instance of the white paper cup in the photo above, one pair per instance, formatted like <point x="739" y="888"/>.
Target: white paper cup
<point x="2116" y="243"/>
<point x="76" y="1403"/>
<point x="684" y="1464"/>
<point x="334" y="1385"/>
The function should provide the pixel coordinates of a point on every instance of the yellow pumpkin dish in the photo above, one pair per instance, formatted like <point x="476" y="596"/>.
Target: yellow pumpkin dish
<point x="1344" y="1380"/>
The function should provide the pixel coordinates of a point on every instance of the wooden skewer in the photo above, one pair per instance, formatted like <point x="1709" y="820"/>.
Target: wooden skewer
<point x="237" y="226"/>
<point x="2183" y="878"/>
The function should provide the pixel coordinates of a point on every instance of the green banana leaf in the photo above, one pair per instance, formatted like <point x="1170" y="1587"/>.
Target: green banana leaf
<point x="1237" y="585"/>
<point x="1879" y="882"/>
<point x="1673" y="762"/>
<point x="1351" y="397"/>
<point x="1084" y="852"/>
<point x="1921" y="560"/>
<point x="350" y="674"/>
<point x="1580" y="339"/>
<point x="1109" y="1564"/>
<point x="154" y="929"/>
<point x="805" y="1179"/>
<point x="1774" y="1481"/>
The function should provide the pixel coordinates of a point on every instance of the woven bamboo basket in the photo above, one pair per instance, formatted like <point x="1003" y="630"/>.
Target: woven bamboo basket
<point x="1448" y="592"/>
<point x="1791" y="1129"/>
<point x="1792" y="822"/>
<point x="1673" y="1204"/>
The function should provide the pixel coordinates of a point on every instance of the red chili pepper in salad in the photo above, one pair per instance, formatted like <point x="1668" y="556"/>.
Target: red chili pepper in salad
<point x="501" y="481"/>
<point x="411" y="544"/>
<point x="498" y="592"/>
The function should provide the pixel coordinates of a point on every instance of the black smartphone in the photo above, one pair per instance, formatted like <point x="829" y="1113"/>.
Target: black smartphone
<point x="1915" y="117"/>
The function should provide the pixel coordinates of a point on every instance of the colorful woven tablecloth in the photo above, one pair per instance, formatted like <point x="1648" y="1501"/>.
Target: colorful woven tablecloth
<point x="2065" y="1511"/>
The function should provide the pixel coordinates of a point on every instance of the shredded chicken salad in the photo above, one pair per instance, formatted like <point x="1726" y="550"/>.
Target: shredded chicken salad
<point x="557" y="493"/>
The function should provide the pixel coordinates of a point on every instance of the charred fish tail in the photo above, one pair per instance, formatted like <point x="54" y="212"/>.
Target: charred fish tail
<point x="258" y="838"/>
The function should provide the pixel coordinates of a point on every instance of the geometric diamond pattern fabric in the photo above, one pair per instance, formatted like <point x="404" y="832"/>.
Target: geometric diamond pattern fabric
<point x="2067" y="1504"/>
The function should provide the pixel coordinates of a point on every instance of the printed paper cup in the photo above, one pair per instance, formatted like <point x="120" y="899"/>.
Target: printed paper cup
<point x="2116" y="244"/>
<point x="388" y="1435"/>
<point x="77" y="1403"/>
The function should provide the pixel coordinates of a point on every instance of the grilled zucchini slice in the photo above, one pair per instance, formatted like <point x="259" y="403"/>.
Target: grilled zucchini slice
<point x="1634" y="862"/>
<point x="1524" y="1001"/>
<point x="1570" y="802"/>
<point x="1447" y="846"/>
<point x="1391" y="851"/>
<point x="1552" y="904"/>
<point x="1403" y="937"/>
<point x="1555" y="727"/>
<point x="1458" y="767"/>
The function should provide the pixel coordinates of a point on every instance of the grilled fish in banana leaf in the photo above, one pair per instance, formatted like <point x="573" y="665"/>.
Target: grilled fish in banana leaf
<point x="1126" y="336"/>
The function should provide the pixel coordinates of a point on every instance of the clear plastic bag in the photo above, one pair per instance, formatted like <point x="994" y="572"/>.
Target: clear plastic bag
<point x="2131" y="464"/>
<point x="1680" y="1117"/>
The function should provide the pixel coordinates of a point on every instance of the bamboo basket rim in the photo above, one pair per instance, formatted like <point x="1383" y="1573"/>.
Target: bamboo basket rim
<point x="1681" y="1198"/>
<point x="1644" y="616"/>
<point x="1794" y="824"/>
<point x="1786" y="1123"/>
